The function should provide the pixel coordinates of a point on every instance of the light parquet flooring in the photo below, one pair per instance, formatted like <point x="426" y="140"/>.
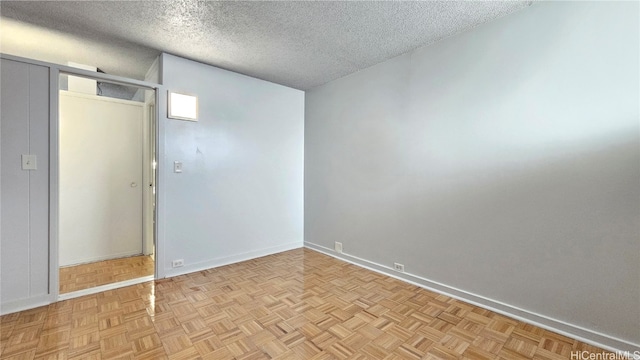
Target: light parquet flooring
<point x="298" y="304"/>
<point x="85" y="276"/>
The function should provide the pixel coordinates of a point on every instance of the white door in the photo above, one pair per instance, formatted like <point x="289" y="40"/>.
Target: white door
<point x="101" y="159"/>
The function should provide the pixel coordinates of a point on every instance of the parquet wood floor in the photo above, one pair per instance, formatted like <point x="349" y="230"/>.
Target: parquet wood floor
<point x="85" y="276"/>
<point x="298" y="304"/>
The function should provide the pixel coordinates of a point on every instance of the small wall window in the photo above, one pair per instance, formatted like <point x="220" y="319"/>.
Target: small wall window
<point x="183" y="106"/>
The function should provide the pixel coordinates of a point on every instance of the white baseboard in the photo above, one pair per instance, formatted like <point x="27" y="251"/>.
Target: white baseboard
<point x="595" y="338"/>
<point x="209" y="264"/>
<point x="102" y="258"/>
<point x="26" y="304"/>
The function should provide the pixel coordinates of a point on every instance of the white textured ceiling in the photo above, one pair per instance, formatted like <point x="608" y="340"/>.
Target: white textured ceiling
<point x="294" y="43"/>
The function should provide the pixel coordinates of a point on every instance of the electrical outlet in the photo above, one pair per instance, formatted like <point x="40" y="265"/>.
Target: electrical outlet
<point x="398" y="267"/>
<point x="338" y="247"/>
<point x="177" y="263"/>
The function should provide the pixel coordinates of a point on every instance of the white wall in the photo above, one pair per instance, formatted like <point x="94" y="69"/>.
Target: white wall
<point x="24" y="236"/>
<point x="240" y="194"/>
<point x="101" y="147"/>
<point x="503" y="162"/>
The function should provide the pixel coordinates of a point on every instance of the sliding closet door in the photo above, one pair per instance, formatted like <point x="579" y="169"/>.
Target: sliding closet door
<point x="24" y="213"/>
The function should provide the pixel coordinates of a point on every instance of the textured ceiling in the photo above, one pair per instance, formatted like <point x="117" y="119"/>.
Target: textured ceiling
<point x="297" y="44"/>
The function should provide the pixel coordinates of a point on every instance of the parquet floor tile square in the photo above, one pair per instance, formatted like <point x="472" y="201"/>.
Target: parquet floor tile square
<point x="298" y="304"/>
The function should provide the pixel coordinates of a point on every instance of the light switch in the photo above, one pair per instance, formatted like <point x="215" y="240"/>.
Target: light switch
<point x="29" y="162"/>
<point x="177" y="167"/>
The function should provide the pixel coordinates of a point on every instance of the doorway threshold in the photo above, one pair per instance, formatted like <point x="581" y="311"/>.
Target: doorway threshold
<point x="101" y="288"/>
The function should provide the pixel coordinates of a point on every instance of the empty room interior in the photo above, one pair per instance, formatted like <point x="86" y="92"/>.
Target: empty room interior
<point x="320" y="180"/>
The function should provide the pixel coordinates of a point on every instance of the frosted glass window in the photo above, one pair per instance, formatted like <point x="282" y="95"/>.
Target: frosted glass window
<point x="183" y="106"/>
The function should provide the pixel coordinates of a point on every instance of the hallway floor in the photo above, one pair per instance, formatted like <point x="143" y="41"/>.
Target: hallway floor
<point x="85" y="276"/>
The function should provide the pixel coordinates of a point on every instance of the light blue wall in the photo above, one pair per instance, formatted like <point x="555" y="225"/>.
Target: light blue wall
<point x="240" y="193"/>
<point x="504" y="162"/>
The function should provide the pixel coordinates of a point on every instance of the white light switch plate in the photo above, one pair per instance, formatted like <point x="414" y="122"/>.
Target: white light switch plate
<point x="177" y="167"/>
<point x="29" y="162"/>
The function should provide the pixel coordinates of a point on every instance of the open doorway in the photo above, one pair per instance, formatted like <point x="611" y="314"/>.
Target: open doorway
<point x="107" y="179"/>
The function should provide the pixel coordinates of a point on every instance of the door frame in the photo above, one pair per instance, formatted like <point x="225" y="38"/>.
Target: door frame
<point x="54" y="83"/>
<point x="148" y="177"/>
